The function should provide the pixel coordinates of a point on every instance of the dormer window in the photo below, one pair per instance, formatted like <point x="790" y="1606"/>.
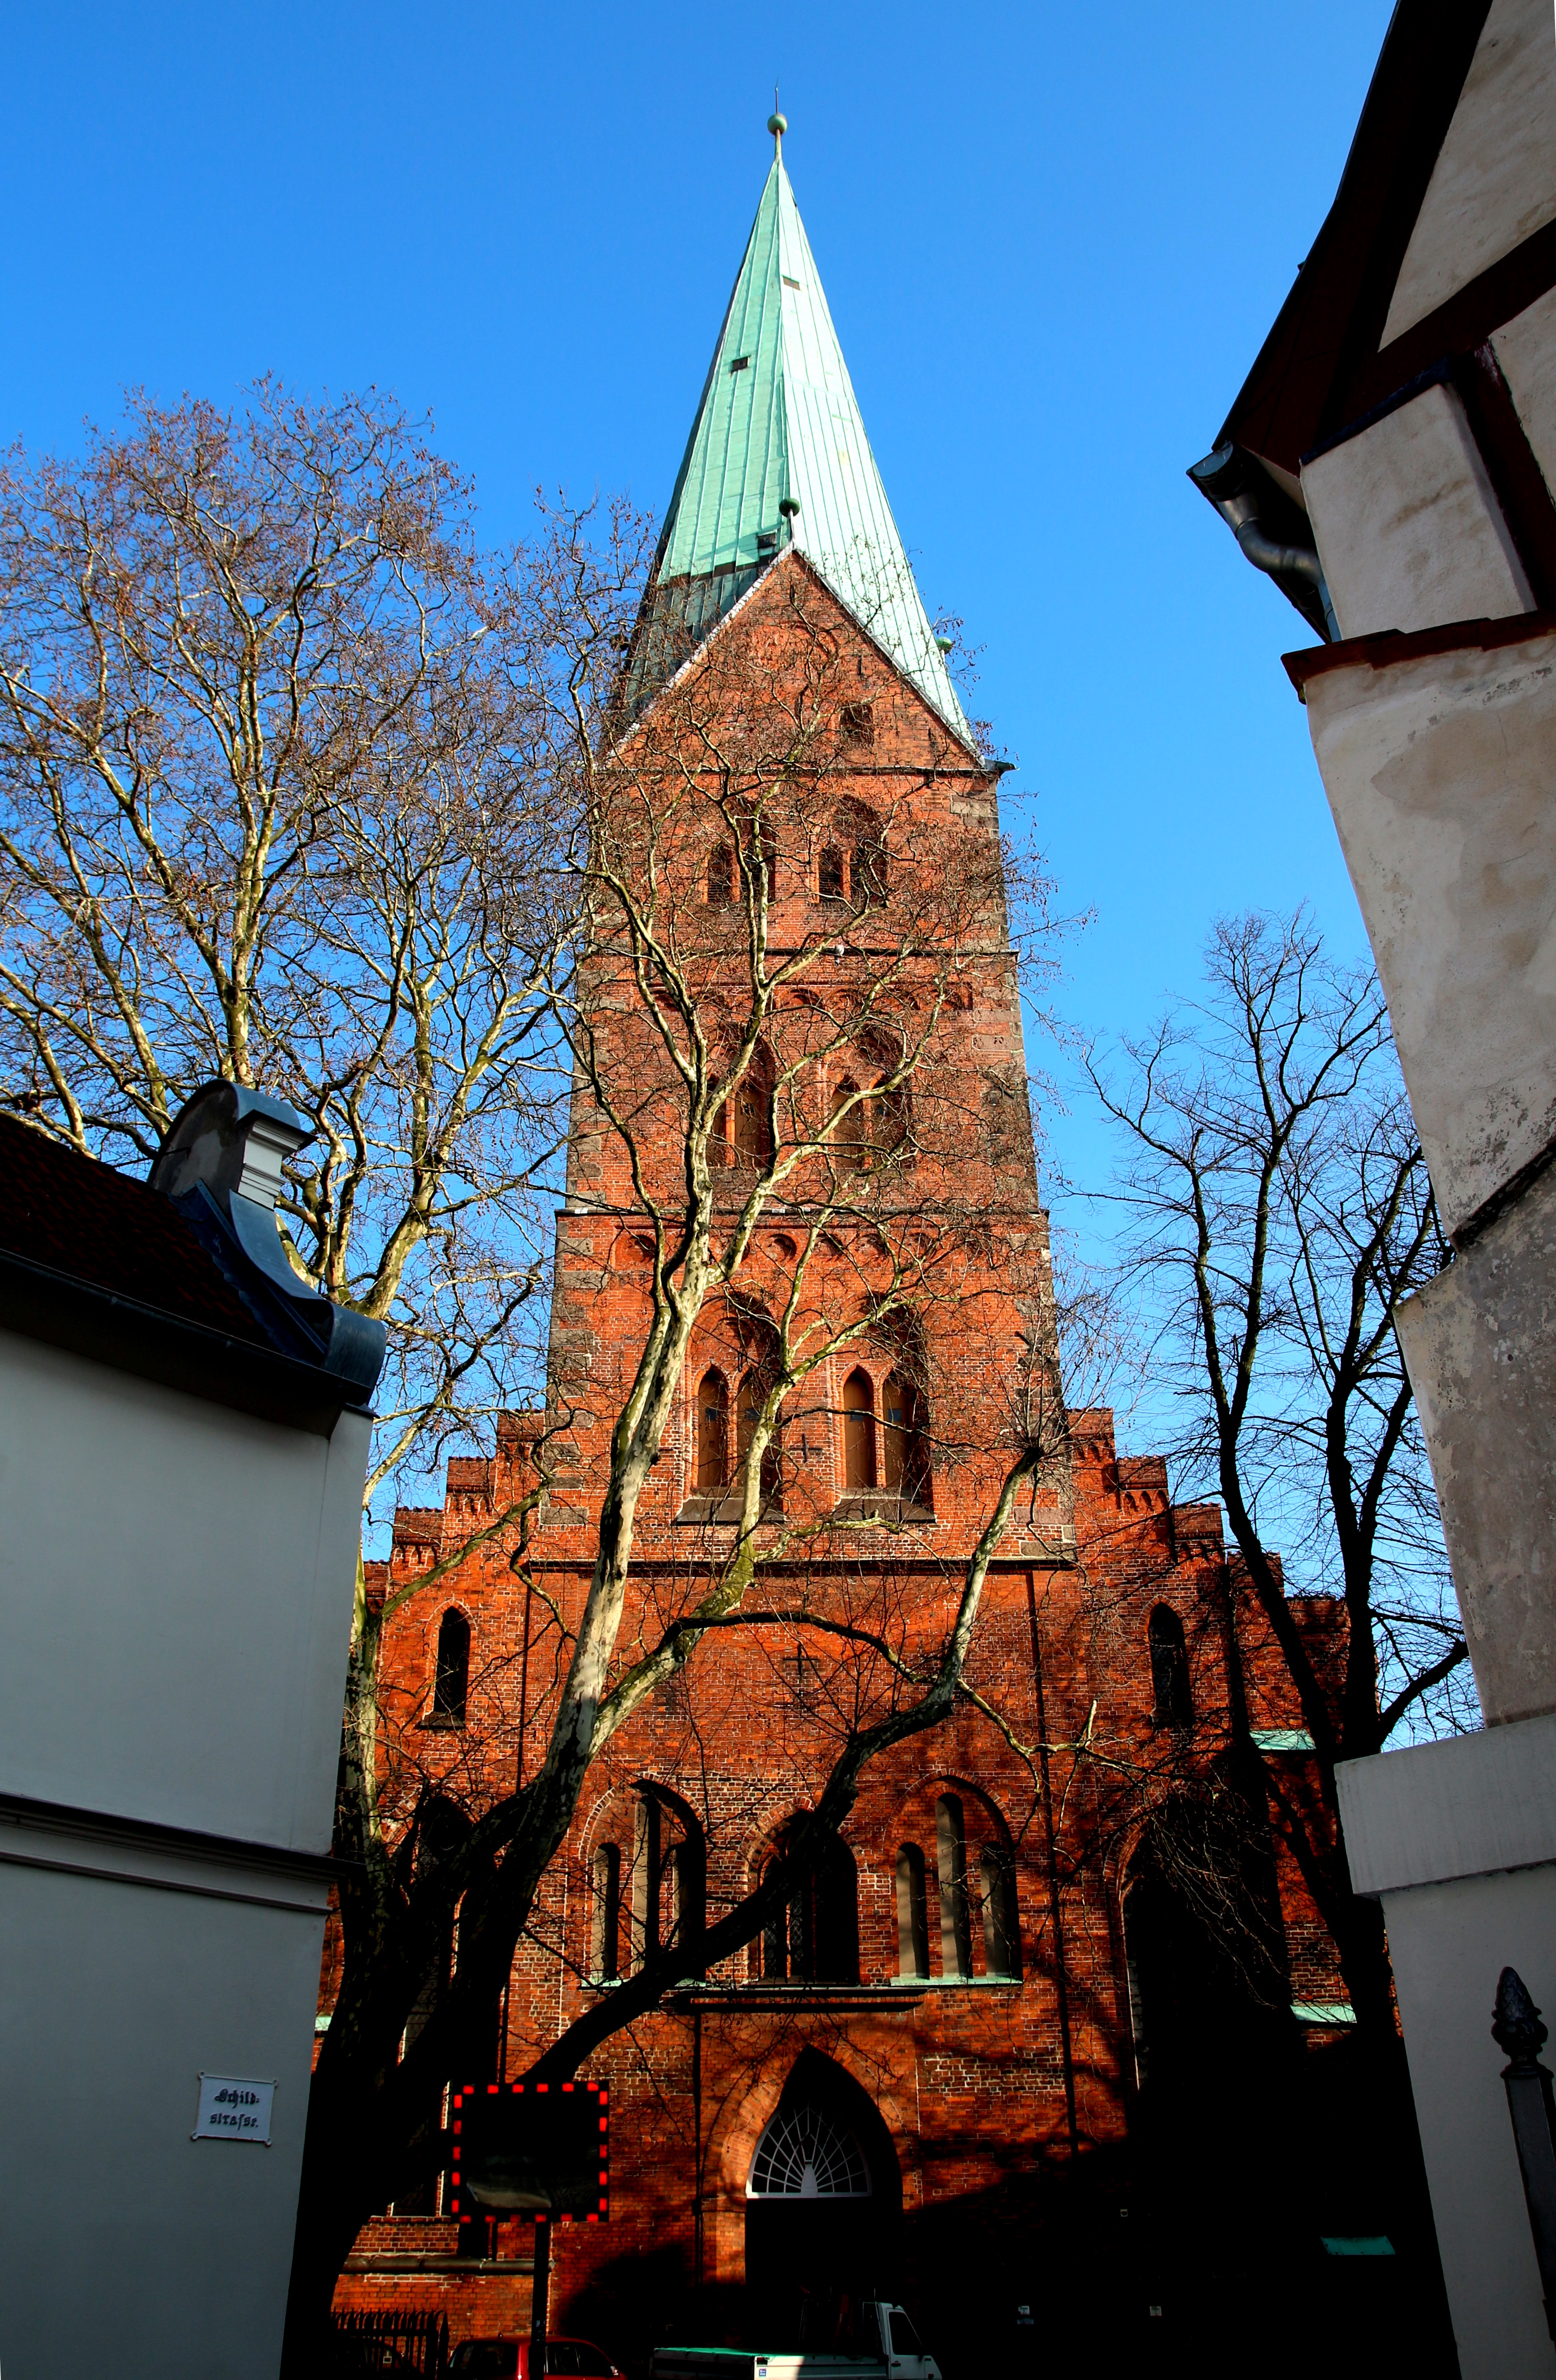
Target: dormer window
<point x="766" y="541"/>
<point x="740" y="363"/>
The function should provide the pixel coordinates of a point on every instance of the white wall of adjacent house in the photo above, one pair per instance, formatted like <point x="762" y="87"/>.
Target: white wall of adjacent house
<point x="1458" y="1842"/>
<point x="1525" y="351"/>
<point x="126" y="2245"/>
<point x="175" y="1600"/>
<point x="1441" y="774"/>
<point x="1494" y="181"/>
<point x="1440" y="770"/>
<point x="1407" y="526"/>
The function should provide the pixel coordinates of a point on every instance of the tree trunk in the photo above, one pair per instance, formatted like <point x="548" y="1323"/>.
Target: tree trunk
<point x="329" y="2217"/>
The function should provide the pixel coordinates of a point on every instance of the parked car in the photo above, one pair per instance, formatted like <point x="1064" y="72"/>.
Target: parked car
<point x="507" y="2358"/>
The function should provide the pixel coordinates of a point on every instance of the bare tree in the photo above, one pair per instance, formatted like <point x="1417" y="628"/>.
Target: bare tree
<point x="1279" y="1211"/>
<point x="298" y="787"/>
<point x="277" y="802"/>
<point x="744" y="1053"/>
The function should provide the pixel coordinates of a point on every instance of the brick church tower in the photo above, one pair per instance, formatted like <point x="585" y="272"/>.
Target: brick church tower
<point x="924" y="2067"/>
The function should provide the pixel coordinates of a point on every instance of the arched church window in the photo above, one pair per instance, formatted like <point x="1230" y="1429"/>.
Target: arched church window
<point x="767" y="843"/>
<point x="452" y="1676"/>
<point x="829" y="875"/>
<point x="712" y="1434"/>
<point x="1169" y="1668"/>
<point x="858" y="1432"/>
<point x="666" y="1902"/>
<point x="804" y="2154"/>
<point x="815" y="1937"/>
<point x="951" y="1858"/>
<point x="904" y="1442"/>
<point x="913" y="1922"/>
<point x="721" y="875"/>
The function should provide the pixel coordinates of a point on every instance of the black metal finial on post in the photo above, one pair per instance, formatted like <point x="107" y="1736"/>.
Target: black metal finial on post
<point x="1516" y="2028"/>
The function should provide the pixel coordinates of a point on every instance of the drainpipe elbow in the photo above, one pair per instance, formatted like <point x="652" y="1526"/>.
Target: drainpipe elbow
<point x="1224" y="478"/>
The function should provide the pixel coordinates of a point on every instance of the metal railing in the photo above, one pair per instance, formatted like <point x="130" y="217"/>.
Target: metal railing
<point x="391" y="2341"/>
<point x="1516" y="2028"/>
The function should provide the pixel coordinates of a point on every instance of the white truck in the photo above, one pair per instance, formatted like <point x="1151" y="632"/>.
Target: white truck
<point x="875" y="2341"/>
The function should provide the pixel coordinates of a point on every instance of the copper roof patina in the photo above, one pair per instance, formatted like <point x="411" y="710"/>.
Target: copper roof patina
<point x="778" y="455"/>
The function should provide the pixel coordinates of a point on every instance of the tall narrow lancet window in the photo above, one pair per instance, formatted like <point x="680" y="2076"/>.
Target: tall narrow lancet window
<point x="849" y="1123"/>
<point x="951" y="1859"/>
<point x="753" y="1111"/>
<point x="686" y="1917"/>
<point x="767" y="845"/>
<point x="830" y="882"/>
<point x="712" y="1435"/>
<point x="647" y="1853"/>
<point x="721" y="875"/>
<point x="869" y="874"/>
<point x="893" y="1120"/>
<point x="1001" y="1934"/>
<point x="858" y="1432"/>
<point x="451" y="1679"/>
<point x="748" y="1414"/>
<point x="774" y="1945"/>
<point x="905" y="1444"/>
<point x="605" y="1946"/>
<point x="913" y="1919"/>
<point x="1169" y="1669"/>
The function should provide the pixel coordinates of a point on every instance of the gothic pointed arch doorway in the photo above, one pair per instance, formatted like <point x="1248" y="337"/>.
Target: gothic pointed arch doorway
<point x="823" y="2210"/>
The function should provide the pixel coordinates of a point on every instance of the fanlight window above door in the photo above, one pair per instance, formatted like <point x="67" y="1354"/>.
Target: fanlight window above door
<point x="804" y="2155"/>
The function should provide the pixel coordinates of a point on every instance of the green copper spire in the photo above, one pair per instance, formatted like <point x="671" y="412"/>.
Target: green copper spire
<point x="778" y="455"/>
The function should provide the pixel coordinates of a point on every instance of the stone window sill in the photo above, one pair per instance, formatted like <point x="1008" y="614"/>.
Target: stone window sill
<point x="884" y="1510"/>
<point x="954" y="1983"/>
<point x="720" y="1512"/>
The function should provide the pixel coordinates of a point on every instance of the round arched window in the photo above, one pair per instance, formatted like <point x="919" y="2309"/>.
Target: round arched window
<point x="804" y="2155"/>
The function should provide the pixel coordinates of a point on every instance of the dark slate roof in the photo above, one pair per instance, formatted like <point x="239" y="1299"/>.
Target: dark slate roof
<point x="108" y="1268"/>
<point x="79" y="1217"/>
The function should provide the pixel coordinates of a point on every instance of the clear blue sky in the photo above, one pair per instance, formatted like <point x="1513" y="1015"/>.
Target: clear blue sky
<point x="1052" y="239"/>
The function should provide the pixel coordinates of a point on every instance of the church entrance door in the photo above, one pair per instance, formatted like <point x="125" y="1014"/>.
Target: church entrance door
<point x="823" y="2204"/>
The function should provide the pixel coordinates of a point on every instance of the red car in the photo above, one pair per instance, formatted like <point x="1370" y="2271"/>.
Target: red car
<point x="508" y="2358"/>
